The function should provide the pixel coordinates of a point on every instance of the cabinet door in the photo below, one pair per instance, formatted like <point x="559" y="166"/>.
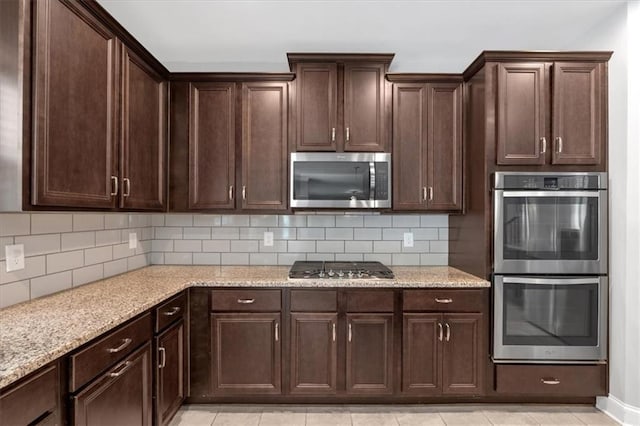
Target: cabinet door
<point x="444" y="153"/>
<point x="212" y="141"/>
<point x="246" y="353"/>
<point x="462" y="362"/>
<point x="316" y="113"/>
<point x="409" y="146"/>
<point x="264" y="146"/>
<point x="75" y="108"/>
<point x="121" y="396"/>
<point x="577" y="113"/>
<point x="170" y="373"/>
<point x="369" y="353"/>
<point x="521" y="114"/>
<point x="364" y="115"/>
<point x="422" y="354"/>
<point x="144" y="118"/>
<point x="313" y="353"/>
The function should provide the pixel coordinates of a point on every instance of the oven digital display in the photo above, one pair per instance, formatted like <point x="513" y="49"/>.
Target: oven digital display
<point x="550" y="183"/>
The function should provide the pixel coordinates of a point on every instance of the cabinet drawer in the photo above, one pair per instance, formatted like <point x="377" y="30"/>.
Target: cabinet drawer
<point x="170" y="311"/>
<point x="314" y="301"/>
<point x="31" y="398"/>
<point x="569" y="380"/>
<point x="370" y="301"/>
<point x="445" y="300"/>
<point x="245" y="300"/>
<point x="98" y="356"/>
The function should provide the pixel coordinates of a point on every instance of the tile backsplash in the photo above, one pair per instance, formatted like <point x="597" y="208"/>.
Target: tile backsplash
<point x="64" y="250"/>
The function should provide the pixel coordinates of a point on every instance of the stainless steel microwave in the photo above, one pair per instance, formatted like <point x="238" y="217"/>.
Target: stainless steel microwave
<point x="349" y="180"/>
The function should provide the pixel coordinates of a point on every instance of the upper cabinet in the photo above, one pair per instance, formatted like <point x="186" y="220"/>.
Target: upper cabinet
<point x="427" y="144"/>
<point x="98" y="115"/>
<point x="341" y="102"/>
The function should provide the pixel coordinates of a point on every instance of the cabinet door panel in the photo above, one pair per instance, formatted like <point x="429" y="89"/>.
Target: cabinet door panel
<point x="577" y="113"/>
<point x="422" y="354"/>
<point x="264" y="146"/>
<point x="444" y="177"/>
<point x="462" y="367"/>
<point x="521" y="113"/>
<point x="409" y="145"/>
<point x="246" y="353"/>
<point x="317" y="117"/>
<point x="211" y="145"/>
<point x="369" y="353"/>
<point x="313" y="353"/>
<point x="143" y="135"/>
<point x="364" y="107"/>
<point x="75" y="86"/>
<point x="170" y="379"/>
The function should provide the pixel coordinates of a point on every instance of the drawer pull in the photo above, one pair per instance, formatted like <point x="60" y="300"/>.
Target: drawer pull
<point x="246" y="301"/>
<point x="448" y="336"/>
<point x="551" y="381"/>
<point x="120" y="369"/>
<point x="163" y="357"/>
<point x="440" y="332"/>
<point x="447" y="300"/>
<point x="125" y="342"/>
<point x="172" y="312"/>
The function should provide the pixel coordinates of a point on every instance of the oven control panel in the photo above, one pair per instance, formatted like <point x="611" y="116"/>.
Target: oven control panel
<point x="549" y="181"/>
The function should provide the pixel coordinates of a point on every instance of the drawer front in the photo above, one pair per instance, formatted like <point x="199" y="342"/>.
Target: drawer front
<point x="566" y="380"/>
<point x="170" y="311"/>
<point x="314" y="301"/>
<point x="370" y="301"/>
<point x="31" y="398"/>
<point x="445" y="300"/>
<point x="97" y="357"/>
<point x="246" y="300"/>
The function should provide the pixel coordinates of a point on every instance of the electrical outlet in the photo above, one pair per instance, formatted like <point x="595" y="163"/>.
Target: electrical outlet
<point x="15" y="257"/>
<point x="268" y="239"/>
<point x="408" y="239"/>
<point x="133" y="240"/>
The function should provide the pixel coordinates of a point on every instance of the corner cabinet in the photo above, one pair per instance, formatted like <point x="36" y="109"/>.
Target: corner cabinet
<point x="427" y="145"/>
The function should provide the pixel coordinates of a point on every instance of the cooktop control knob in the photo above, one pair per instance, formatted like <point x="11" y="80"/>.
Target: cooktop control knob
<point x="340" y="274"/>
<point x="321" y="274"/>
<point x="331" y="273"/>
<point x="350" y="274"/>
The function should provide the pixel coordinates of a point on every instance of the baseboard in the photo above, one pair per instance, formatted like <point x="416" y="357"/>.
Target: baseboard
<point x="623" y="413"/>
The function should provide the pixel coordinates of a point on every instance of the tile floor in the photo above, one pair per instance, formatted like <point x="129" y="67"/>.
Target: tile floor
<point x="386" y="415"/>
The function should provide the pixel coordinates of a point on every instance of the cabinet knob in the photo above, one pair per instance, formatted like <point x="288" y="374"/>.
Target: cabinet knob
<point x="114" y="185"/>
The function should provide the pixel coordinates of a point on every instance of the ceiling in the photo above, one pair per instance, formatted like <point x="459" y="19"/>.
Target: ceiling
<point x="426" y="36"/>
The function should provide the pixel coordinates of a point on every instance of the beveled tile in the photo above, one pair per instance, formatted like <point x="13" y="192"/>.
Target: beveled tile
<point x="464" y="418"/>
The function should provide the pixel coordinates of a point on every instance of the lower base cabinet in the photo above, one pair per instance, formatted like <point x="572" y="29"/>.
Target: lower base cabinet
<point x="556" y="380"/>
<point x="170" y="389"/>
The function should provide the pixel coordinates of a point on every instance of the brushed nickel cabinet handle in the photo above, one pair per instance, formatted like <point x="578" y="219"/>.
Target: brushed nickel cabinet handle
<point x="172" y="312"/>
<point x="543" y="141"/>
<point x="430" y="193"/>
<point x="447" y="300"/>
<point x="333" y="134"/>
<point x="440" y="332"/>
<point x="276" y="331"/>
<point x="162" y="353"/>
<point x="244" y="192"/>
<point x="127" y="187"/>
<point x="424" y="193"/>
<point x="350" y="333"/>
<point x="246" y="301"/>
<point x="114" y="185"/>
<point x="550" y="381"/>
<point x="559" y="144"/>
<point x="125" y="342"/>
<point x="333" y="331"/>
<point x="120" y="369"/>
<point x="348" y="134"/>
<point x="448" y="336"/>
<point x="230" y="192"/>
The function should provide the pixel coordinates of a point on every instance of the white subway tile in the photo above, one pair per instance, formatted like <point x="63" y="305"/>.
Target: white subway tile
<point x="162" y="245"/>
<point x="197" y="233"/>
<point x="147" y="233"/>
<point x="235" y="220"/>
<point x="164" y="233"/>
<point x="33" y="267"/>
<point x="156" y="258"/>
<point x="220" y="246"/>
<point x="115" y="267"/>
<point x="330" y="246"/>
<point x="206" y="258"/>
<point x="39" y="244"/>
<point x="244" y="246"/>
<point x="88" y="222"/>
<point x="425" y="233"/>
<point x="285" y="233"/>
<point x="49" y="223"/>
<point x="207" y="220"/>
<point x="434" y="221"/>
<point x="434" y="259"/>
<point x="383" y="258"/>
<point x="405" y="221"/>
<point x="358" y="246"/>
<point x="349" y="221"/>
<point x="349" y="257"/>
<point x="87" y="274"/>
<point x="15" y="224"/>
<point x="264" y="220"/>
<point x="394" y="234"/>
<point x="310" y="233"/>
<point x="443" y="233"/>
<point x="235" y="259"/>
<point x="178" y="220"/>
<point x="418" y="247"/>
<point x="225" y="233"/>
<point x="178" y="258"/>
<point x="321" y="221"/>
<point x="327" y="257"/>
<point x="301" y="246"/>
<point x="439" y="246"/>
<point x="292" y="221"/>
<point x="405" y="259"/>
<point x="98" y="255"/>
<point x="5" y="241"/>
<point x="121" y="251"/>
<point x="187" y="245"/>
<point x="252" y="233"/>
<point x="105" y="238"/>
<point x="140" y="220"/>
<point x="78" y="240"/>
<point x="65" y="261"/>
<point x="13" y="293"/>
<point x="139" y="261"/>
<point x="339" y="233"/>
<point x="279" y="246"/>
<point x="386" y="246"/>
<point x="286" y="259"/>
<point x="377" y="221"/>
<point x="263" y="259"/>
<point x="143" y="247"/>
<point x="367" y="234"/>
<point x="116" y="220"/>
<point x="157" y="220"/>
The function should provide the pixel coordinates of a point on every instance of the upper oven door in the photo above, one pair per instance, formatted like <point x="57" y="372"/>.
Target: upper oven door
<point x="550" y="232"/>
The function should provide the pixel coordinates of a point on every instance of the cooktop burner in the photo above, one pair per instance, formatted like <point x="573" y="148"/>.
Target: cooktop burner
<point x="339" y="270"/>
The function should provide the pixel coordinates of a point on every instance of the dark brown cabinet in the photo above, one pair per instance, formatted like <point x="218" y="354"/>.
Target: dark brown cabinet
<point x="170" y="383"/>
<point x="422" y="354"/>
<point x="427" y="146"/>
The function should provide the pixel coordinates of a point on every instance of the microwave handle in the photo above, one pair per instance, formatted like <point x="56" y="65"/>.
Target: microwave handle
<point x="372" y="180"/>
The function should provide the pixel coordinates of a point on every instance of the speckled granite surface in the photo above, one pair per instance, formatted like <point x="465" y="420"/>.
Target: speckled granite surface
<point x="35" y="333"/>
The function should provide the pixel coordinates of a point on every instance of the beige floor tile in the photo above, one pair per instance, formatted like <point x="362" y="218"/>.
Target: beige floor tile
<point x="283" y="418"/>
<point x="552" y="416"/>
<point x="464" y="418"/>
<point x="373" y="419"/>
<point x="412" y="417"/>
<point x="193" y="417"/>
<point x="328" y="418"/>
<point x="591" y="416"/>
<point x="237" y="418"/>
<point x="508" y="417"/>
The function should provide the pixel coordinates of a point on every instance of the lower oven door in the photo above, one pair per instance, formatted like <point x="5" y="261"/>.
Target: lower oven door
<point x="550" y="319"/>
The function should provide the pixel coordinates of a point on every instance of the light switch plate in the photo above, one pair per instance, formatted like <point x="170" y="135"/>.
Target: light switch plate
<point x="268" y="239"/>
<point x="408" y="239"/>
<point x="133" y="240"/>
<point x="14" y="255"/>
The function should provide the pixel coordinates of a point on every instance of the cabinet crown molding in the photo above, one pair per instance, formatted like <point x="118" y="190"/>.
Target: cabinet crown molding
<point x="231" y="76"/>
<point x="294" y="58"/>
<point x="424" y="78"/>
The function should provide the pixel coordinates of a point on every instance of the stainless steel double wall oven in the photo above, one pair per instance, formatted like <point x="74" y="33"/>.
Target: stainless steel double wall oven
<point x="550" y="266"/>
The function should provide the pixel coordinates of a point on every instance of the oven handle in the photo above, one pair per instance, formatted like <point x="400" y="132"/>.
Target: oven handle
<point x="547" y="281"/>
<point x="550" y="193"/>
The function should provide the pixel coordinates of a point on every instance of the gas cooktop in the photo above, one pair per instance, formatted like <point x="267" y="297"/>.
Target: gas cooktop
<point x="339" y="270"/>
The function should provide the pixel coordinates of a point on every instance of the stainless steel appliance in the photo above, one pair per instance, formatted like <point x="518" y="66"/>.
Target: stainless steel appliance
<point x="550" y="319"/>
<point x="339" y="270"/>
<point x="340" y="180"/>
<point x="550" y="223"/>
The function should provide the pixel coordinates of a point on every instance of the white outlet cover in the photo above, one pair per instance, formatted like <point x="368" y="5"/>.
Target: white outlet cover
<point x="268" y="239"/>
<point x="408" y="239"/>
<point x="14" y="255"/>
<point x="133" y="240"/>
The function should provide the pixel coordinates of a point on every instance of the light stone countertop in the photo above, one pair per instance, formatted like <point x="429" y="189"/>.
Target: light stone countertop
<point x="37" y="332"/>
